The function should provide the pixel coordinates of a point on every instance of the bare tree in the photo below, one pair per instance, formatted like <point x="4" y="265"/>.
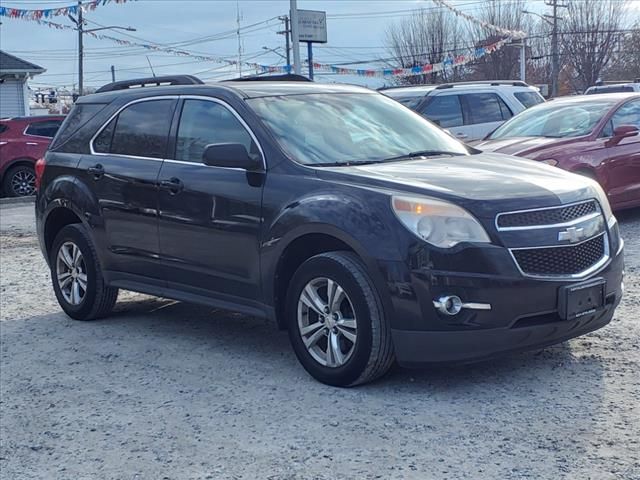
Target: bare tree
<point x="426" y="37"/>
<point x="626" y="62"/>
<point x="503" y="64"/>
<point x="590" y="37"/>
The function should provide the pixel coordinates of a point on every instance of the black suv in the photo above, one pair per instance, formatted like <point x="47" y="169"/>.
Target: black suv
<point x="368" y="233"/>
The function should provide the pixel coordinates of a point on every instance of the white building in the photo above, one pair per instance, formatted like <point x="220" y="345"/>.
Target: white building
<point x="14" y="93"/>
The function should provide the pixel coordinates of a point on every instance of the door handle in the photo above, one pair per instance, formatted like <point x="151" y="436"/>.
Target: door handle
<point x="32" y="143"/>
<point x="173" y="185"/>
<point x="462" y="135"/>
<point x="97" y="171"/>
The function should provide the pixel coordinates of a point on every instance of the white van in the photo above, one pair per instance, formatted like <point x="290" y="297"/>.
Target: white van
<point x="614" y="88"/>
<point x="469" y="110"/>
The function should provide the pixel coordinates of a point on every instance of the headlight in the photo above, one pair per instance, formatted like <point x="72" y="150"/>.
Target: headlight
<point x="440" y="223"/>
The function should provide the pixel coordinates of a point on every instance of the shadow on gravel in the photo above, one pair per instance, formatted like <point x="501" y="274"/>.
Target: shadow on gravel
<point x="157" y="326"/>
<point x="628" y="216"/>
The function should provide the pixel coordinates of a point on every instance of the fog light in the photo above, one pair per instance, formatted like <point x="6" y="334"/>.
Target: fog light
<point x="449" y="305"/>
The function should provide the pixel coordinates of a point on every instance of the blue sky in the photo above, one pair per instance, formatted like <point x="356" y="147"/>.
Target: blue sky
<point x="356" y="31"/>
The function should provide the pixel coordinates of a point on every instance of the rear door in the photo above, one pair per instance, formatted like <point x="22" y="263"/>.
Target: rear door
<point x="122" y="172"/>
<point x="445" y="110"/>
<point x="622" y="164"/>
<point x="210" y="217"/>
<point x="483" y="113"/>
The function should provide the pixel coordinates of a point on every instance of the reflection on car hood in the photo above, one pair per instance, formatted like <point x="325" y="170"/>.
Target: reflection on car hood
<point x="522" y="146"/>
<point x="484" y="183"/>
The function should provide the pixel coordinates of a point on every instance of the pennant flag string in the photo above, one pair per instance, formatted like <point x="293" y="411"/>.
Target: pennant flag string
<point x="515" y="34"/>
<point x="39" y="14"/>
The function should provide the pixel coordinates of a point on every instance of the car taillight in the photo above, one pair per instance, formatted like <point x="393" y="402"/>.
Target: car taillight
<point x="40" y="164"/>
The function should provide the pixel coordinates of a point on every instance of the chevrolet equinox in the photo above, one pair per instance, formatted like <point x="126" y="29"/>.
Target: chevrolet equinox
<point x="368" y="233"/>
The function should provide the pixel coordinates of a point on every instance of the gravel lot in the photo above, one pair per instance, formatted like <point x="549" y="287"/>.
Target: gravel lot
<point x="164" y="390"/>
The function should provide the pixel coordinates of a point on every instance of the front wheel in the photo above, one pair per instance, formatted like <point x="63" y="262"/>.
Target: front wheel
<point x="77" y="277"/>
<point x="336" y="321"/>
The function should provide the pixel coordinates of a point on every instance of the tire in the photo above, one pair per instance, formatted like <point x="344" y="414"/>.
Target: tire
<point x="350" y="362"/>
<point x="19" y="181"/>
<point x="92" y="299"/>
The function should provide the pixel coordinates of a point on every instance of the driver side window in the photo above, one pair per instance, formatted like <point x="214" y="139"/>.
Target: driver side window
<point x="203" y="123"/>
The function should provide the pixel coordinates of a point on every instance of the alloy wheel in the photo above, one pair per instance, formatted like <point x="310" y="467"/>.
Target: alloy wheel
<point x="23" y="183"/>
<point x="71" y="273"/>
<point x="327" y="322"/>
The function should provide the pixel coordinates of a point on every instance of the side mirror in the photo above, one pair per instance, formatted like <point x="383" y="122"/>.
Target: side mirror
<point x="624" y="131"/>
<point x="229" y="155"/>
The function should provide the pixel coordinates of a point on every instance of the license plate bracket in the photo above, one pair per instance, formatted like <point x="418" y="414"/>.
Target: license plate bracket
<point x="581" y="299"/>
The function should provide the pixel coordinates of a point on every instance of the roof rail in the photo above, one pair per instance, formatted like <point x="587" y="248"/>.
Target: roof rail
<point x="286" y="77"/>
<point x="151" y="82"/>
<point x="392" y="87"/>
<point x="513" y="83"/>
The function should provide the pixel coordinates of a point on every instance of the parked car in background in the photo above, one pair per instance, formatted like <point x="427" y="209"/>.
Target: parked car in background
<point x="468" y="110"/>
<point x="596" y="135"/>
<point x="614" y="88"/>
<point x="23" y="140"/>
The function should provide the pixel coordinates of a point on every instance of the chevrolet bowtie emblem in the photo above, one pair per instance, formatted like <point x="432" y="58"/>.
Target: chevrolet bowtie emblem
<point x="571" y="234"/>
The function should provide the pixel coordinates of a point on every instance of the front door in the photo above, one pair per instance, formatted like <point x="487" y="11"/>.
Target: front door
<point x="210" y="217"/>
<point x="122" y="172"/>
<point x="623" y="158"/>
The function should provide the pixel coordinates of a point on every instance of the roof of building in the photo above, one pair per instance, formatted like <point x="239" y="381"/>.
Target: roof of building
<point x="12" y="64"/>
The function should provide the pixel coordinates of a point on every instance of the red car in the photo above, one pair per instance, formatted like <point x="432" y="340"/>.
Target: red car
<point x="593" y="135"/>
<point x="23" y="140"/>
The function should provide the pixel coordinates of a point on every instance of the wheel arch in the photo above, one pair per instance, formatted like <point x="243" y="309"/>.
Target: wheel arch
<point x="305" y="243"/>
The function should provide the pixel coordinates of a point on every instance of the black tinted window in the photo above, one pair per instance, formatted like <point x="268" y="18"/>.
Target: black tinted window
<point x="486" y="107"/>
<point x="44" y="129"/>
<point x="80" y="114"/>
<point x="203" y="123"/>
<point x="142" y="129"/>
<point x="102" y="143"/>
<point x="445" y="111"/>
<point x="529" y="99"/>
<point x="3" y="128"/>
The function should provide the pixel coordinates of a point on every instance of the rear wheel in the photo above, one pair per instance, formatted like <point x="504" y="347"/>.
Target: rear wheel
<point x="20" y="181"/>
<point x="336" y="322"/>
<point x="77" y="277"/>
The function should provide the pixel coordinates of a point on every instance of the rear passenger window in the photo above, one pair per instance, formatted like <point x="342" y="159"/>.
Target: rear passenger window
<point x="140" y="130"/>
<point x="204" y="123"/>
<point x="44" y="129"/>
<point x="444" y="110"/>
<point x="529" y="99"/>
<point x="486" y="107"/>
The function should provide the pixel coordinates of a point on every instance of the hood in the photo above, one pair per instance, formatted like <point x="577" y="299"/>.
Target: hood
<point x="484" y="183"/>
<point x="524" y="146"/>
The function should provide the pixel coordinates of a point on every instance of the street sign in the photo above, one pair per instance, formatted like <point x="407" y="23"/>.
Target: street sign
<point x="312" y="26"/>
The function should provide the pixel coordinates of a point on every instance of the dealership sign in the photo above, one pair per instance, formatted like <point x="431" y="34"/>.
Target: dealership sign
<point x="312" y="26"/>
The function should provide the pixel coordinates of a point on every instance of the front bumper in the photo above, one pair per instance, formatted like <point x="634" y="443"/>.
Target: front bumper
<point x="524" y="316"/>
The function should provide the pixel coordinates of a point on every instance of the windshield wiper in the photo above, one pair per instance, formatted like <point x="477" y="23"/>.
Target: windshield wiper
<point x="421" y="153"/>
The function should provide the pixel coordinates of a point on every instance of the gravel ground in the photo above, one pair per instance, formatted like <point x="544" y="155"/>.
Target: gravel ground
<point x="164" y="390"/>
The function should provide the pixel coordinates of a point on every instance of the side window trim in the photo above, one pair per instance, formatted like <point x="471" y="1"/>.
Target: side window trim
<point x="173" y="132"/>
<point x="115" y="114"/>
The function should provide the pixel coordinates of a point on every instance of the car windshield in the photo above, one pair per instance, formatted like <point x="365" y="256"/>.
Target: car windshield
<point x="343" y="129"/>
<point x="555" y="120"/>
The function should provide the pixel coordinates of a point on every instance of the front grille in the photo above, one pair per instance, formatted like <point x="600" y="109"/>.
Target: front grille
<point x="548" y="216"/>
<point x="558" y="261"/>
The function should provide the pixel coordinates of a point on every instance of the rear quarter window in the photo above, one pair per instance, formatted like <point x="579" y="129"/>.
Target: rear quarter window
<point x="3" y="128"/>
<point x="47" y="128"/>
<point x="529" y="99"/>
<point x="79" y="116"/>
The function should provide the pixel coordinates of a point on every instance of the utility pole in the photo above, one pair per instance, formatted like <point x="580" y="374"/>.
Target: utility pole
<point x="113" y="73"/>
<point x="286" y="33"/>
<point x="80" y="52"/>
<point x="555" y="61"/>
<point x="295" y="37"/>
<point x="239" y="39"/>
